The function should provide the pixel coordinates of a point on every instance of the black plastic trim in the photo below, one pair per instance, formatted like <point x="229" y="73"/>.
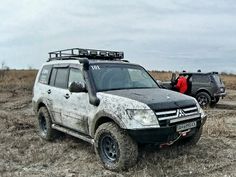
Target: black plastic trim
<point x="159" y="135"/>
<point x="93" y="99"/>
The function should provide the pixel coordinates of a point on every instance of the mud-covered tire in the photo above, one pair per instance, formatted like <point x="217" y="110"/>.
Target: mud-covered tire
<point x="115" y="148"/>
<point x="203" y="99"/>
<point x="214" y="102"/>
<point x="44" y="125"/>
<point x="193" y="140"/>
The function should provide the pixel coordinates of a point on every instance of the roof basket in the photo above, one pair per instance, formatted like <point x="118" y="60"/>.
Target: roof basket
<point x="85" y="53"/>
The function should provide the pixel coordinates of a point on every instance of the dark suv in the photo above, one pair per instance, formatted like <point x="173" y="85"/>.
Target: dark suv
<point x="207" y="88"/>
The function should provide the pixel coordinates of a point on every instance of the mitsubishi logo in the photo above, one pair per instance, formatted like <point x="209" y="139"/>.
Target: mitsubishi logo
<point x="180" y="113"/>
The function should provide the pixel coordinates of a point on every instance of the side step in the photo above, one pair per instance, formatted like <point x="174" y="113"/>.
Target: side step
<point x="73" y="133"/>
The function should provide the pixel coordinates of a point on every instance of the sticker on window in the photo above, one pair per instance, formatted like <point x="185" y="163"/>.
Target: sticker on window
<point x="95" y="67"/>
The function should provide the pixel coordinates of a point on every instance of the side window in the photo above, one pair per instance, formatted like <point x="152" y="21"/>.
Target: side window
<point x="75" y="76"/>
<point x="61" y="78"/>
<point x="45" y="73"/>
<point x="53" y="77"/>
<point x="201" y="78"/>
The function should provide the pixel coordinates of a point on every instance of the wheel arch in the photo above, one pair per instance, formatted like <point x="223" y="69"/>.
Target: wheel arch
<point x="102" y="118"/>
<point x="203" y="90"/>
<point x="43" y="103"/>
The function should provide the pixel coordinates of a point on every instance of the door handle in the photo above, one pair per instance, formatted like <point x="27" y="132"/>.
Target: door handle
<point x="67" y="96"/>
<point x="49" y="91"/>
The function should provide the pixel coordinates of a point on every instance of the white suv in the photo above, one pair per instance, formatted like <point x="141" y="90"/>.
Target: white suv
<point x="98" y="97"/>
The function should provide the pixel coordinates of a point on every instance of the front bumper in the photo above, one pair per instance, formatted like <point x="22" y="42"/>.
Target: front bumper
<point x="161" y="135"/>
<point x="220" y="94"/>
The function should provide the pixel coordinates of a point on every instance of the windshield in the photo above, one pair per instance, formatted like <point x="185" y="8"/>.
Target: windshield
<point x="120" y="76"/>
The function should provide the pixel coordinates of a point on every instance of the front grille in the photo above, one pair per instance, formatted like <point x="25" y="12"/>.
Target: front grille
<point x="171" y="117"/>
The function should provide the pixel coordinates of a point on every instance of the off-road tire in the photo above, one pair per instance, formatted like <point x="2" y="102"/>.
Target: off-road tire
<point x="192" y="140"/>
<point x="126" y="147"/>
<point x="213" y="103"/>
<point x="44" y="125"/>
<point x="203" y="99"/>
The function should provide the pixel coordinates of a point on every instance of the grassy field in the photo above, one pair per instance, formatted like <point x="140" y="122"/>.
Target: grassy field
<point x="24" y="79"/>
<point x="14" y="80"/>
<point x="24" y="153"/>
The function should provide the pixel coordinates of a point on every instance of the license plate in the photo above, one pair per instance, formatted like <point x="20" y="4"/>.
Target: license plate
<point x="186" y="126"/>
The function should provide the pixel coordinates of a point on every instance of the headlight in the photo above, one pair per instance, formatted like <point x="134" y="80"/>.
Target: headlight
<point x="145" y="117"/>
<point x="201" y="111"/>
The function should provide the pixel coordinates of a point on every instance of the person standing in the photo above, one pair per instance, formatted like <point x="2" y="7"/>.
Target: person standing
<point x="182" y="84"/>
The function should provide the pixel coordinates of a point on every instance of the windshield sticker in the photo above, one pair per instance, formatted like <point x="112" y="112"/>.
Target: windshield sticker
<point x="95" y="67"/>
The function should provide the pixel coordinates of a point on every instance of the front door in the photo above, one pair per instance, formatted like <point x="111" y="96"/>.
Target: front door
<point x="75" y="105"/>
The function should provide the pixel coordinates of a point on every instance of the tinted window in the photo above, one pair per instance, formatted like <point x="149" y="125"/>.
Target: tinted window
<point x="217" y="78"/>
<point x="45" y="73"/>
<point x="201" y="78"/>
<point x="53" y="76"/>
<point x="61" y="77"/>
<point x="119" y="76"/>
<point x="75" y="76"/>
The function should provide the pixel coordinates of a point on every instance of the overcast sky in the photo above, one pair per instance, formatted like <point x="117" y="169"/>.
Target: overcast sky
<point x="160" y="35"/>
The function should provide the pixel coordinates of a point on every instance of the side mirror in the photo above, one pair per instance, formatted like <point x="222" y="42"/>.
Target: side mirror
<point x="77" y="87"/>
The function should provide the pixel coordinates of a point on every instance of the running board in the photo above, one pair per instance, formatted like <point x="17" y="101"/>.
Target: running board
<point x="73" y="133"/>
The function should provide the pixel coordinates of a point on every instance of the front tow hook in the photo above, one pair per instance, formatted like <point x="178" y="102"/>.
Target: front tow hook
<point x="181" y="134"/>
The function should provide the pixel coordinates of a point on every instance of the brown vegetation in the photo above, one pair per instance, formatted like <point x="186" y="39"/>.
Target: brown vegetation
<point x="24" y="79"/>
<point x="13" y="80"/>
<point x="24" y="153"/>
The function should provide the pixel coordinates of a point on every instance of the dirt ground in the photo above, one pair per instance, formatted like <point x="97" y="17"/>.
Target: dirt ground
<point x="23" y="153"/>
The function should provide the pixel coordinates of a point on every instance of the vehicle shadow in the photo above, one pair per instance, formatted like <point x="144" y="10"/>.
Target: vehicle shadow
<point x="226" y="106"/>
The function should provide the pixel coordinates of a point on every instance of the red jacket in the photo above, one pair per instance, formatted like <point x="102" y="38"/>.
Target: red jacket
<point x="182" y="84"/>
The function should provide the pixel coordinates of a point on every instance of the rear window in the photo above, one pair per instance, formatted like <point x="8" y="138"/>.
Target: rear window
<point x="217" y="79"/>
<point x="45" y="73"/>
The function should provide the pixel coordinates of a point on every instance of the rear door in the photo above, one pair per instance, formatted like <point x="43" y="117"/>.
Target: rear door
<point x="217" y="84"/>
<point x="58" y="85"/>
<point x="46" y="91"/>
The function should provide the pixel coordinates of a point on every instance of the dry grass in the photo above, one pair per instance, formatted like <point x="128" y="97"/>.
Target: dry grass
<point x="230" y="81"/>
<point x="161" y="75"/>
<point x="24" y="79"/>
<point x="14" y="80"/>
<point x="216" y="128"/>
<point x="24" y="153"/>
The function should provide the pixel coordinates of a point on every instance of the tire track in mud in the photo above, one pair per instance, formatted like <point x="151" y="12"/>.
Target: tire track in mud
<point x="24" y="153"/>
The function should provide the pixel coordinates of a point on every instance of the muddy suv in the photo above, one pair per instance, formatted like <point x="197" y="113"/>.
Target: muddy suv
<point x="100" y="98"/>
<point x="207" y="88"/>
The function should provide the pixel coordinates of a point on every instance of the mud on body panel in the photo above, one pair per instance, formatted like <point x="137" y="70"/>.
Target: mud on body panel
<point x="115" y="108"/>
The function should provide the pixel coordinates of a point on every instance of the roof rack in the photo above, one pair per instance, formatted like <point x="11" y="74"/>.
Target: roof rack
<point x="202" y="73"/>
<point x="85" y="53"/>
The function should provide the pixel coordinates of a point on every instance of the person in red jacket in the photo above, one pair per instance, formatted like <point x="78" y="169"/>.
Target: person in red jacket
<point x="182" y="84"/>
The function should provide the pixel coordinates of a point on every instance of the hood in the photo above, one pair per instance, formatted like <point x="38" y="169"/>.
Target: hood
<point x="156" y="98"/>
